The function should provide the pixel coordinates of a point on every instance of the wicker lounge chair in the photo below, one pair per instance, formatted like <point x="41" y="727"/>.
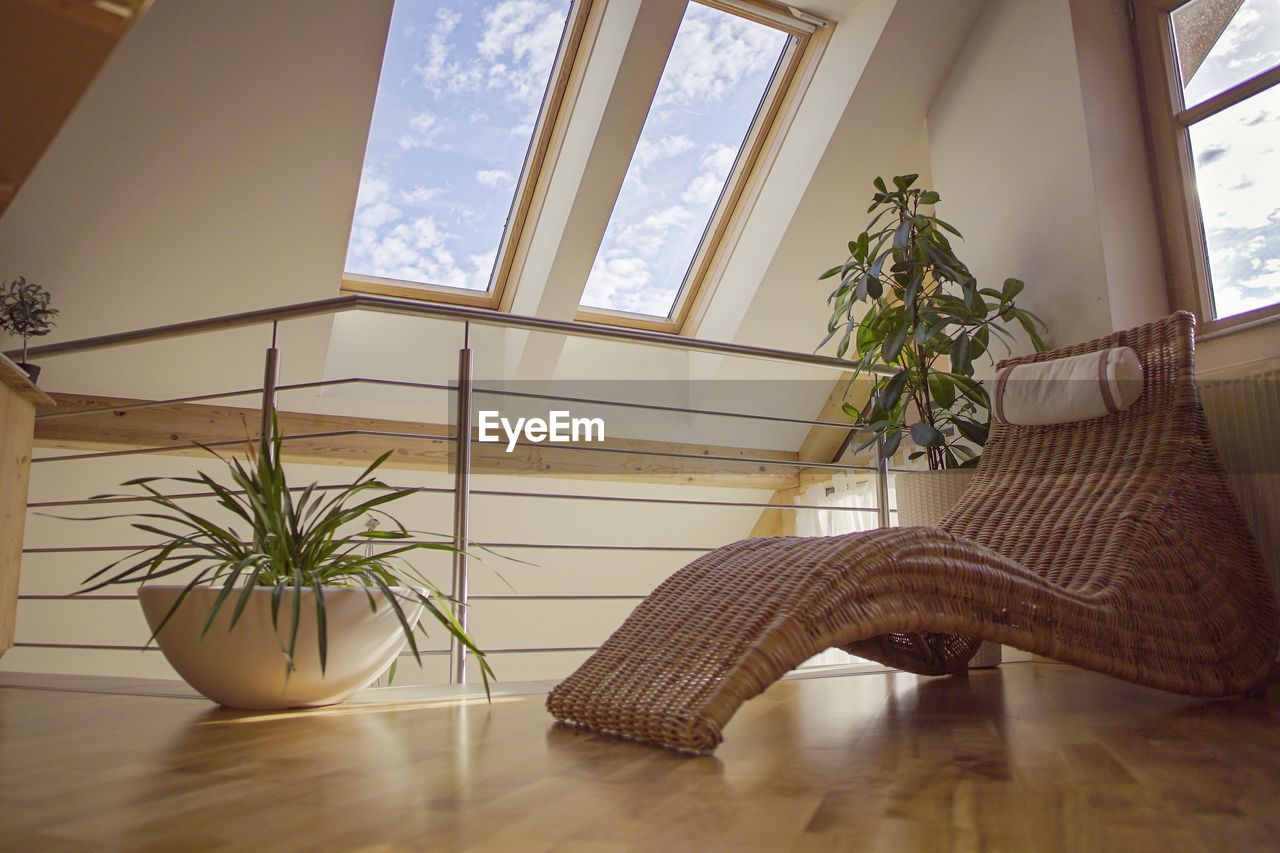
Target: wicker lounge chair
<point x="1114" y="544"/>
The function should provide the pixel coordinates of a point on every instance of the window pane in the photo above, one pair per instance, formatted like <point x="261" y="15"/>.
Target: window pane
<point x="1239" y="187"/>
<point x="460" y="91"/>
<point x="719" y="69"/>
<point x="1224" y="42"/>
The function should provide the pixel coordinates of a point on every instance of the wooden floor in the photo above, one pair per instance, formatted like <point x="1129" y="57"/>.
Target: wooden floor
<point x="1027" y="757"/>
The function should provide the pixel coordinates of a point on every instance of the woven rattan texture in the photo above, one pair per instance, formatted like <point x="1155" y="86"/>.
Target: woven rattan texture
<point x="1114" y="544"/>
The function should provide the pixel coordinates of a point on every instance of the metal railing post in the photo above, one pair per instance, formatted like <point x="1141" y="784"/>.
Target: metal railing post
<point x="461" y="505"/>
<point x="270" y="378"/>
<point x="882" y="483"/>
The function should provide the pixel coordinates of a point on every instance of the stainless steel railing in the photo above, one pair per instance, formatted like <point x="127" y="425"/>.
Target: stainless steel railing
<point x="465" y="392"/>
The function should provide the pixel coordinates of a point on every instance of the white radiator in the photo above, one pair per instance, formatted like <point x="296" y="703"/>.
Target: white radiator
<point x="1244" y="415"/>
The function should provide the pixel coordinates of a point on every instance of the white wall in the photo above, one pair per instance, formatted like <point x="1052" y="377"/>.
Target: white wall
<point x="497" y="624"/>
<point x="1121" y="173"/>
<point x="1010" y="157"/>
<point x="211" y="168"/>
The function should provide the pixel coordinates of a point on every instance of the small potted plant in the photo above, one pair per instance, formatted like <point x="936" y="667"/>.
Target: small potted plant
<point x="283" y="604"/>
<point x="25" y="313"/>
<point x="926" y="318"/>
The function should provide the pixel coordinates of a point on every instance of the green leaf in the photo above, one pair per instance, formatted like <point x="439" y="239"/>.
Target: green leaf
<point x="972" y="389"/>
<point x="926" y="435"/>
<point x="972" y="430"/>
<point x="880" y="185"/>
<point x="1028" y="321"/>
<point x="929" y="197"/>
<point x="947" y="227"/>
<point x="897" y="340"/>
<point x="891" y="443"/>
<point x="942" y="389"/>
<point x="322" y="623"/>
<point x="891" y="393"/>
<point x="902" y="234"/>
<point x="961" y="349"/>
<point x="981" y="339"/>
<point x="1012" y="287"/>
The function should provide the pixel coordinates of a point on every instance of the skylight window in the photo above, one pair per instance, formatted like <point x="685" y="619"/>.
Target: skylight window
<point x="708" y="102"/>
<point x="461" y="101"/>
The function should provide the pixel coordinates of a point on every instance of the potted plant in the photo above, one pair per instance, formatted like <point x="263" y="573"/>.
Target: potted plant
<point x="926" y="318"/>
<point x="283" y="605"/>
<point x="25" y="312"/>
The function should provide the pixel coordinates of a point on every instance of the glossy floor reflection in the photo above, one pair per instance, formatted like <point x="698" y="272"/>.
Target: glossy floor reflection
<point x="1030" y="756"/>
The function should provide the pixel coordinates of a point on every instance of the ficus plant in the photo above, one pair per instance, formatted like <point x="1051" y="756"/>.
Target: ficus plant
<point x="906" y="302"/>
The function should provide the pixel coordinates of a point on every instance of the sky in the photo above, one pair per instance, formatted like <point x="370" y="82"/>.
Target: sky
<point x="461" y="86"/>
<point x="460" y="91"/>
<point x="719" y="69"/>
<point x="1238" y="163"/>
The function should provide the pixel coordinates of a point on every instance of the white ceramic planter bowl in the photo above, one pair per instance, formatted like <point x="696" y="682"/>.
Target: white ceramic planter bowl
<point x="244" y="667"/>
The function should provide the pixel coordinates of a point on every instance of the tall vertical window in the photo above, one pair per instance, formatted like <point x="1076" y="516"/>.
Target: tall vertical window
<point x="465" y="97"/>
<point x="711" y="109"/>
<point x="1211" y="70"/>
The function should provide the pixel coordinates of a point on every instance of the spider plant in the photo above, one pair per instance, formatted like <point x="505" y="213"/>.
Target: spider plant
<point x="291" y="540"/>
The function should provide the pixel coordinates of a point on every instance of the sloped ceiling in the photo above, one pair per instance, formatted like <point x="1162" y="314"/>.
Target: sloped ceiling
<point x="213" y="168"/>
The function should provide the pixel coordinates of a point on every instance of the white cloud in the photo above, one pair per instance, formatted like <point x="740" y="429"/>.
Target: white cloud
<point x="719" y="159"/>
<point x="436" y="66"/>
<point x="520" y="41"/>
<point x="420" y="195"/>
<point x="515" y="52"/>
<point x="418" y="251"/>
<point x="424" y="128"/>
<point x="374" y="187"/>
<point x="705" y="188"/>
<point x="622" y="281"/>
<point x="647" y="236"/>
<point x="651" y="151"/>
<point x="712" y="54"/>
<point x="495" y="178"/>
<point x="384" y="244"/>
<point x="1237" y="195"/>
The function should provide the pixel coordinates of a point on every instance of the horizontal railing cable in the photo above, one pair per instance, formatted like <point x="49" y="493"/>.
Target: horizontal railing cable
<point x="397" y="543"/>
<point x="239" y="441"/>
<point x="123" y="647"/>
<point x="475" y="492"/>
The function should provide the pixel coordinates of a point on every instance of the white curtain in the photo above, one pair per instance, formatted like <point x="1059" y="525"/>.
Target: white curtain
<point x="846" y="489"/>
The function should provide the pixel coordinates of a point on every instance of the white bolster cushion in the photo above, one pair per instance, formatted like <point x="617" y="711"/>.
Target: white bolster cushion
<point x="1065" y="390"/>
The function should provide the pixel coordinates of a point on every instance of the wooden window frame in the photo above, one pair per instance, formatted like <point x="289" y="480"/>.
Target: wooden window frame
<point x="581" y="26"/>
<point x="806" y="39"/>
<point x="1168" y="125"/>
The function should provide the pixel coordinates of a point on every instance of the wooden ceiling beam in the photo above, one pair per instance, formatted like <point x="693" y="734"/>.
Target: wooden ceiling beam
<point x="346" y="440"/>
<point x="53" y="51"/>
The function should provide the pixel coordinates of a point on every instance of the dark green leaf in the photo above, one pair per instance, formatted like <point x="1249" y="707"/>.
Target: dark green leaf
<point x="942" y="389"/>
<point x="892" y="391"/>
<point x="926" y="435"/>
<point x="1012" y="287"/>
<point x="961" y="348"/>
<point x="972" y="430"/>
